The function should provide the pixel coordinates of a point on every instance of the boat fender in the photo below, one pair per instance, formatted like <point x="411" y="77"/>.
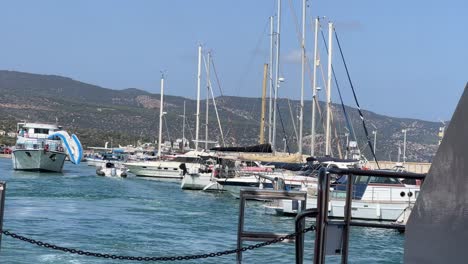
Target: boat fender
<point x="183" y="167"/>
<point x="46" y="147"/>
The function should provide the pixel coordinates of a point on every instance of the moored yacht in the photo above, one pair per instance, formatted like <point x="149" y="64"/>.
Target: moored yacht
<point x="174" y="168"/>
<point x="374" y="198"/>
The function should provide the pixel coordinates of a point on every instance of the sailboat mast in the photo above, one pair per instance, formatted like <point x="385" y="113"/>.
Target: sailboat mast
<point x="161" y="113"/>
<point x="277" y="73"/>
<point x="314" y="87"/>
<point x="207" y="99"/>
<point x="328" y="129"/>
<point x="183" y="130"/>
<point x="303" y="57"/>
<point x="262" y="119"/>
<point x="198" y="96"/>
<point x="271" y="80"/>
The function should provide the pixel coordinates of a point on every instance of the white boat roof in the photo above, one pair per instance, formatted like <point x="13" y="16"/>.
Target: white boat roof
<point x="41" y="125"/>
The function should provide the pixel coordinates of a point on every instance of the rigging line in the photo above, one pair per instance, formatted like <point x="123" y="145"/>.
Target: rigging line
<point x="214" y="104"/>
<point x="356" y="100"/>
<point x="299" y="39"/>
<point x="188" y="126"/>
<point x="167" y="128"/>
<point x="217" y="79"/>
<point x="348" y="122"/>
<point x="292" y="118"/>
<point x="282" y="126"/>
<point x="250" y="62"/>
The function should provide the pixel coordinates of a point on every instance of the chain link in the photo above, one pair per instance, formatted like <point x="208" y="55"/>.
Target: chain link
<point x="167" y="258"/>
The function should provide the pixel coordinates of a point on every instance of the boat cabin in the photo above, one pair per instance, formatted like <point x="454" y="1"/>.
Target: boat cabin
<point x="36" y="130"/>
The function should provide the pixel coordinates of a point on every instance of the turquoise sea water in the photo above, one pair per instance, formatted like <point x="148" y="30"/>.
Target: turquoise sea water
<point x="141" y="217"/>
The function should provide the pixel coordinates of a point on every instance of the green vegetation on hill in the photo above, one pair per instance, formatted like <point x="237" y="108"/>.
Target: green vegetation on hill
<point x="99" y="114"/>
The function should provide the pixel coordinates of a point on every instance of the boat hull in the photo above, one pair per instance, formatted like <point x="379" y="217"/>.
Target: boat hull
<point x="38" y="160"/>
<point x="200" y="181"/>
<point x="361" y="209"/>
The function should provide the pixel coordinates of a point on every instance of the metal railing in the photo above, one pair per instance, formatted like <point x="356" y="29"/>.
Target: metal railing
<point x="2" y="206"/>
<point x="249" y="194"/>
<point x="323" y="222"/>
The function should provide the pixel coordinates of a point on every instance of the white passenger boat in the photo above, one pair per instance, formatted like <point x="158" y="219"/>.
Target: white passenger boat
<point x="374" y="198"/>
<point x="44" y="147"/>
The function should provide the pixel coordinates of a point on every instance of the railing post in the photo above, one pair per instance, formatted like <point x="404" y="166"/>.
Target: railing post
<point x="240" y="228"/>
<point x="347" y="219"/>
<point x="322" y="216"/>
<point x="2" y="207"/>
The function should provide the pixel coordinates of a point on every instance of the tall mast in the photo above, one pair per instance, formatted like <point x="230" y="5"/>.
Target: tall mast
<point x="198" y="96"/>
<point x="183" y="130"/>
<point x="277" y="73"/>
<point x="262" y="119"/>
<point x="328" y="129"/>
<point x="301" y="113"/>
<point x="207" y="99"/>
<point x="314" y="88"/>
<point x="271" y="80"/>
<point x="161" y="113"/>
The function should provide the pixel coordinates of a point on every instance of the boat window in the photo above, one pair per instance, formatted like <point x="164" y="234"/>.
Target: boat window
<point x="361" y="180"/>
<point x="186" y="159"/>
<point x="384" y="180"/>
<point x="250" y="164"/>
<point x="41" y="131"/>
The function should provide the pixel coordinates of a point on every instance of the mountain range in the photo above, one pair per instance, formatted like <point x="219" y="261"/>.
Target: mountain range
<point x="98" y="114"/>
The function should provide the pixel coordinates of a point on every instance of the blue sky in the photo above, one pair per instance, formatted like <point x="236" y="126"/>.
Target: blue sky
<point x="406" y="58"/>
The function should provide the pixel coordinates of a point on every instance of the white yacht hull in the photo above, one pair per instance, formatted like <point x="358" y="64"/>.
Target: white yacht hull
<point x="200" y="181"/>
<point x="369" y="210"/>
<point x="161" y="169"/>
<point x="38" y="160"/>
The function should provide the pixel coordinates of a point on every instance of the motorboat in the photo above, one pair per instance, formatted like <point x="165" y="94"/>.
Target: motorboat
<point x="111" y="169"/>
<point x="374" y="198"/>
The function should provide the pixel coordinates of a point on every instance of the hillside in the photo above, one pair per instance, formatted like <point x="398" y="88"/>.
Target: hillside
<point x="100" y="114"/>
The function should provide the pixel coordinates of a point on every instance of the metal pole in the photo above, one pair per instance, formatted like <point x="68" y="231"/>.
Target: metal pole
<point x="328" y="128"/>
<point x="375" y="141"/>
<point x="240" y="227"/>
<point x="322" y="216"/>
<point x="262" y="119"/>
<point x="347" y="145"/>
<point x="183" y="130"/>
<point x="399" y="152"/>
<point x="207" y="99"/>
<point x="347" y="219"/>
<point x="198" y="96"/>
<point x="277" y="73"/>
<point x="2" y="207"/>
<point x="314" y="89"/>
<point x="404" y="146"/>
<point x="271" y="80"/>
<point x="161" y="113"/>
<point x="303" y="57"/>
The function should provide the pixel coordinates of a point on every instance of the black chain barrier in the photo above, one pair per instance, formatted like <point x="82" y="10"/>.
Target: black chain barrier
<point x="168" y="258"/>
